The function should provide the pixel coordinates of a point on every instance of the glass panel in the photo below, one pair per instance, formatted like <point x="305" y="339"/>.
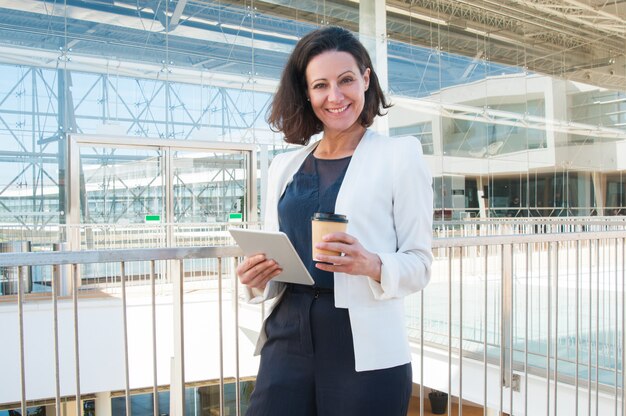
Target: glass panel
<point x="31" y="160"/>
<point x="209" y="187"/>
<point x="121" y="185"/>
<point x="616" y="195"/>
<point x="199" y="401"/>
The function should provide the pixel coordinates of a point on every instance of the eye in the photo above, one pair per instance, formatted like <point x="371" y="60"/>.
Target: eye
<point x="318" y="86"/>
<point x="347" y="80"/>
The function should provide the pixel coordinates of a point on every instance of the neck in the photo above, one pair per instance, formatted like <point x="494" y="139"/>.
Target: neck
<point x="335" y="145"/>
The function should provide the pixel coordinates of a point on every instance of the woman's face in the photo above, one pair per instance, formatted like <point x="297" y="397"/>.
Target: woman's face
<point x="336" y="89"/>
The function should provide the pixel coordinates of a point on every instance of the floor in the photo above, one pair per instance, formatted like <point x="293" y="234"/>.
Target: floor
<point x="414" y="409"/>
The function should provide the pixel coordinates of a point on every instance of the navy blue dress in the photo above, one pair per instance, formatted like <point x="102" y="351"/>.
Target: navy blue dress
<point x="307" y="364"/>
<point x="314" y="189"/>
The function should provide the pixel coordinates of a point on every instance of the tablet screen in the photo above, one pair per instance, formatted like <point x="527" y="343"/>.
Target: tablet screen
<point x="275" y="245"/>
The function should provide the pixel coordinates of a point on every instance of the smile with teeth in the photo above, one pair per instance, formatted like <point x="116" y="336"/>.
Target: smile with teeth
<point x="338" y="110"/>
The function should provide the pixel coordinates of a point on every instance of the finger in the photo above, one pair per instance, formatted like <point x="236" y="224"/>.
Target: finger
<point x="248" y="263"/>
<point x="325" y="266"/>
<point x="250" y="275"/>
<point x="268" y="272"/>
<point x="254" y="260"/>
<point x="338" y="247"/>
<point x="332" y="267"/>
<point x="331" y="259"/>
<point x="262" y="268"/>
<point x="346" y="250"/>
<point x="261" y="279"/>
<point x="340" y="237"/>
<point x="273" y="274"/>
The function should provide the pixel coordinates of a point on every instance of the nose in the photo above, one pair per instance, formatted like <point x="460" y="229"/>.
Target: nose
<point x="335" y="94"/>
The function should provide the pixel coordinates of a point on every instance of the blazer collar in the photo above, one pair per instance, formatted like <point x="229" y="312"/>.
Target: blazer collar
<point x="299" y="155"/>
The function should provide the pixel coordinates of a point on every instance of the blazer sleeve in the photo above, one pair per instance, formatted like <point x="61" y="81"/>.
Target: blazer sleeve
<point x="408" y="270"/>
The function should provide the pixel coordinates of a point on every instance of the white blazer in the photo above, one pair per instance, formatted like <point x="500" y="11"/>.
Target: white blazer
<point x="387" y="196"/>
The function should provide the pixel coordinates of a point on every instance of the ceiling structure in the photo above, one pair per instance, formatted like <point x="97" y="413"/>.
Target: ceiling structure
<point x="583" y="40"/>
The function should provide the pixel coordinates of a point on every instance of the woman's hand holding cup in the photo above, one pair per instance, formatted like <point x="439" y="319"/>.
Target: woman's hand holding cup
<point x="334" y="250"/>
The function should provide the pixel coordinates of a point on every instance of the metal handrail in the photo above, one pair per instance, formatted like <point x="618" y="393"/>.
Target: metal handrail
<point x="115" y="256"/>
<point x="521" y="239"/>
<point x="147" y="254"/>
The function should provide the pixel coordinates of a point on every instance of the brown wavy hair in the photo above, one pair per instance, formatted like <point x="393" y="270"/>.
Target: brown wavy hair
<point x="291" y="113"/>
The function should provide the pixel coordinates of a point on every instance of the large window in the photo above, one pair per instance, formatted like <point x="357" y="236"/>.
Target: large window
<point x="207" y="72"/>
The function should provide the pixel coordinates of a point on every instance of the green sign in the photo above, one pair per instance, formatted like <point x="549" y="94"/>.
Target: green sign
<point x="153" y="218"/>
<point x="235" y="217"/>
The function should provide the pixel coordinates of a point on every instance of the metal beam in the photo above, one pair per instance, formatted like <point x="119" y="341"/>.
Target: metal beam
<point x="178" y="11"/>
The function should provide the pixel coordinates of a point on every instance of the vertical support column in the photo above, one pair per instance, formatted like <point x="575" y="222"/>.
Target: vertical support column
<point x="507" y="266"/>
<point x="72" y="192"/>
<point x="437" y="127"/>
<point x="78" y="401"/>
<point x="168" y="191"/>
<point x="252" y="215"/>
<point x="34" y="135"/>
<point x="63" y="148"/>
<point x="373" y="35"/>
<point x="177" y="375"/>
<point x="20" y="314"/>
<point x="264" y="166"/>
<point x="63" y="282"/>
<point x="482" y="206"/>
<point x="69" y="409"/>
<point x="585" y="199"/>
<point x="155" y="388"/>
<point x="103" y="403"/>
<point x="599" y="191"/>
<point x="67" y="125"/>
<point x="556" y="109"/>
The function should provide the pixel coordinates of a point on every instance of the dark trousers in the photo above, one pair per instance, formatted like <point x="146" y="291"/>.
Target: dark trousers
<point x="307" y="365"/>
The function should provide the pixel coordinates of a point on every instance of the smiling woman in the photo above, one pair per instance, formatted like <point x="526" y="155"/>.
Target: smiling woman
<point x="337" y="58"/>
<point x="325" y="348"/>
<point x="336" y="90"/>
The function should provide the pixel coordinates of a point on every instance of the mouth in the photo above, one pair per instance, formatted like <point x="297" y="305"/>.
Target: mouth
<point x="338" y="110"/>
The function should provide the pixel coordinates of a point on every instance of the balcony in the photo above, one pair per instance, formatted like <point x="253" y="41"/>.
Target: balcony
<point x="510" y="323"/>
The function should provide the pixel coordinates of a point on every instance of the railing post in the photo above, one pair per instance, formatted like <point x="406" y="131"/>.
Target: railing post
<point x="63" y="279"/>
<point x="177" y="388"/>
<point x="507" y="307"/>
<point x="506" y="315"/>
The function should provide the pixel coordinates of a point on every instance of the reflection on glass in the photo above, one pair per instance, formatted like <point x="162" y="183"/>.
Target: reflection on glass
<point x="121" y="186"/>
<point x="209" y="187"/>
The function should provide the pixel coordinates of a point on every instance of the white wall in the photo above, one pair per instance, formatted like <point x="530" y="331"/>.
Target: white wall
<point x="101" y="344"/>
<point x="602" y="157"/>
<point x="511" y="163"/>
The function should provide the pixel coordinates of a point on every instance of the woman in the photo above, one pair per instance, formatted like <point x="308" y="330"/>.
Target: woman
<point x="340" y="347"/>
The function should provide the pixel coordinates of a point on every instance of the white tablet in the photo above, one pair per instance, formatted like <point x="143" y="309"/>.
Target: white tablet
<point x="276" y="246"/>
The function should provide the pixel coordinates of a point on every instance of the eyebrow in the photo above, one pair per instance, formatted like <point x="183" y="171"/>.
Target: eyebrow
<point x="339" y="76"/>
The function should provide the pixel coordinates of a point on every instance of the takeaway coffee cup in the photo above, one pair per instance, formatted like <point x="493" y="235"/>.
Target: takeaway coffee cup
<point x="323" y="223"/>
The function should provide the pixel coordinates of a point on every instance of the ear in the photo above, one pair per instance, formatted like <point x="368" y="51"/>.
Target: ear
<point x="366" y="78"/>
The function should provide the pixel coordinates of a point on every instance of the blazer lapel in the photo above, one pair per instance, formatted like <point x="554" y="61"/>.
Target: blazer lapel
<point x="357" y="163"/>
<point x="293" y="165"/>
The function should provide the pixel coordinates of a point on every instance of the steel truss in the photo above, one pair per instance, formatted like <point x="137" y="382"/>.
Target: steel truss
<point x="41" y="106"/>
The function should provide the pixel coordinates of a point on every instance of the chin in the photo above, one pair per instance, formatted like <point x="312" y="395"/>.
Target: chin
<point x="339" y="125"/>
